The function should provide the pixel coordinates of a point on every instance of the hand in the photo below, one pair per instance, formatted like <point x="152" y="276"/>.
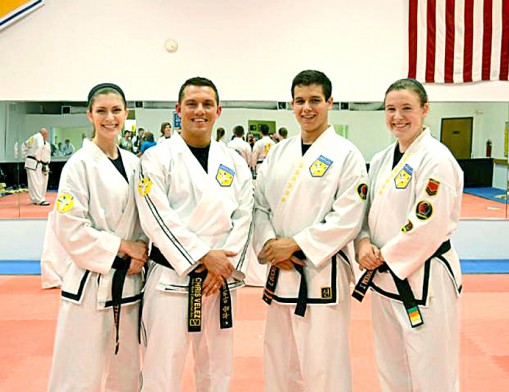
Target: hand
<point x="368" y="255"/>
<point x="279" y="250"/>
<point x="212" y="284"/>
<point x="289" y="264"/>
<point x="217" y="262"/>
<point x="134" y="249"/>
<point x="135" y="267"/>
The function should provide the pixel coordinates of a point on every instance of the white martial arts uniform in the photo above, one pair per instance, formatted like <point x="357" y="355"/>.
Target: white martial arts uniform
<point x="260" y="150"/>
<point x="318" y="200"/>
<point x="95" y="209"/>
<point x="242" y="147"/>
<point x="37" y="154"/>
<point x="187" y="212"/>
<point x="412" y="210"/>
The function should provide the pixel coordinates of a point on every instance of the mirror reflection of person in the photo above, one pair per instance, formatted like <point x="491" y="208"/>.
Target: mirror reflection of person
<point x="96" y="221"/>
<point x="37" y="153"/>
<point x="414" y="203"/>
<point x="195" y="202"/>
<point x="239" y="145"/>
<point x="261" y="148"/>
<point x="67" y="148"/>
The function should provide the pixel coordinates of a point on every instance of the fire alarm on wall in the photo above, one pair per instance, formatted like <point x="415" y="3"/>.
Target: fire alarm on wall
<point x="171" y="45"/>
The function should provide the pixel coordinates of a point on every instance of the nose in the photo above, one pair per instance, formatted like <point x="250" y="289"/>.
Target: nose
<point x="306" y="106"/>
<point x="199" y="108"/>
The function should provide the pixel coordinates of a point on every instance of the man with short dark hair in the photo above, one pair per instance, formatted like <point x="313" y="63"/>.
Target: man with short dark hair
<point x="239" y="144"/>
<point x="309" y="204"/>
<point x="195" y="202"/>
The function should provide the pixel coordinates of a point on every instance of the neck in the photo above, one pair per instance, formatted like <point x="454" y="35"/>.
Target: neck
<point x="404" y="144"/>
<point x="196" y="140"/>
<point x="109" y="147"/>
<point x="309" y="137"/>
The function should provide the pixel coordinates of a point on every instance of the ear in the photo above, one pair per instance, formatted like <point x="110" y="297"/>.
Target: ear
<point x="330" y="102"/>
<point x="89" y="116"/>
<point x="178" y="109"/>
<point x="219" y="111"/>
<point x="425" y="109"/>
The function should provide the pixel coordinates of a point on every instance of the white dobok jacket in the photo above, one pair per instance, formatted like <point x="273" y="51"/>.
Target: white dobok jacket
<point x="187" y="212"/>
<point x="318" y="200"/>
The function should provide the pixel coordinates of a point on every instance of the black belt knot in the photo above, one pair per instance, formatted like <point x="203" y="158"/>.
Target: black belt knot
<point x="402" y="285"/>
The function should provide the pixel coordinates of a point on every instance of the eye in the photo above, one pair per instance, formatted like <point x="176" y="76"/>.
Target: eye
<point x="315" y="101"/>
<point x="299" y="101"/>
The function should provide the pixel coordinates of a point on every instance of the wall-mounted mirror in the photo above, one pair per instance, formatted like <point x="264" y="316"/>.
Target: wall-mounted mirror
<point x="476" y="132"/>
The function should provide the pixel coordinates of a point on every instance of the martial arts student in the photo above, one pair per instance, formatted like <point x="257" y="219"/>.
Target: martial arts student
<point x="96" y="222"/>
<point x="37" y="153"/>
<point x="309" y="203"/>
<point x="413" y="207"/>
<point x="195" y="202"/>
<point x="261" y="148"/>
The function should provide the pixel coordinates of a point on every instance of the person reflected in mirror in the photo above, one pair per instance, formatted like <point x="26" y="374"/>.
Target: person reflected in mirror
<point x="165" y="131"/>
<point x="195" y="198"/>
<point x="414" y="200"/>
<point x="261" y="148"/>
<point x="67" y="148"/>
<point x="126" y="142"/>
<point x="239" y="144"/>
<point x="37" y="154"/>
<point x="282" y="134"/>
<point x="309" y="204"/>
<point x="95" y="220"/>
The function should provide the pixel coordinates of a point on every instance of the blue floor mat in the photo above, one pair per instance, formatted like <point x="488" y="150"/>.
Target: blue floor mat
<point x="494" y="194"/>
<point x="468" y="266"/>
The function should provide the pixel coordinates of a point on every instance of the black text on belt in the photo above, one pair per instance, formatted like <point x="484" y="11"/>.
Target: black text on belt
<point x="270" y="286"/>
<point x="403" y="287"/>
<point x="195" y="296"/>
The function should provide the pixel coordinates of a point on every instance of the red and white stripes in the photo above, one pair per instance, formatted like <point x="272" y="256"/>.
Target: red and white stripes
<point x="458" y="41"/>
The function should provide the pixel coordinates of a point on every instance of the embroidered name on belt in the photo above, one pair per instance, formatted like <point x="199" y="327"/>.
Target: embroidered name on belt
<point x="144" y="186"/>
<point x="403" y="178"/>
<point x="320" y="166"/>
<point x="224" y="176"/>
<point x="65" y="202"/>
<point x="195" y="303"/>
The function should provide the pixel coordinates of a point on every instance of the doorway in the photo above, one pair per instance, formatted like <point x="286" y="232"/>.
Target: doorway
<point x="456" y="134"/>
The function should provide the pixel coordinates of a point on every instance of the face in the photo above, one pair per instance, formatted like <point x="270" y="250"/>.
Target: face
<point x="198" y="111"/>
<point x="404" y="115"/>
<point x="107" y="116"/>
<point x="310" y="108"/>
<point x="44" y="133"/>
<point x="167" y="131"/>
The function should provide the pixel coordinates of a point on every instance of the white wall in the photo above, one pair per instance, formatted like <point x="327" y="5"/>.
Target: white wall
<point x="250" y="48"/>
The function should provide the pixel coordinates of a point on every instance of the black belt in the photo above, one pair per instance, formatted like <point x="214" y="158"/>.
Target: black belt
<point x="402" y="285"/>
<point x="272" y="279"/>
<point x="117" y="286"/>
<point x="195" y="296"/>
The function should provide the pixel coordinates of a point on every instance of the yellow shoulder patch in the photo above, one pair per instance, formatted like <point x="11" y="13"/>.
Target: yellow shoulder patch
<point x="144" y="186"/>
<point x="65" y="203"/>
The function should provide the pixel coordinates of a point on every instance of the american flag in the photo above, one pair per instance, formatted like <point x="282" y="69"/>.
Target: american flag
<point x="458" y="41"/>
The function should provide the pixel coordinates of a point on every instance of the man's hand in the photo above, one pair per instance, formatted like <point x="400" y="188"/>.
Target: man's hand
<point x="135" y="267"/>
<point x="368" y="255"/>
<point x="217" y="263"/>
<point x="279" y="250"/>
<point x="134" y="249"/>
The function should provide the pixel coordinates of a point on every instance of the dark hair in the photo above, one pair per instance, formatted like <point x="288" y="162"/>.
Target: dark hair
<point x="200" y="82"/>
<point x="105" y="88"/>
<point x="309" y="77"/>
<point x="148" y="136"/>
<point x="283" y="132"/>
<point x="220" y="132"/>
<point x="238" y="131"/>
<point x="409" y="84"/>
<point x="164" y="125"/>
<point x="264" y="129"/>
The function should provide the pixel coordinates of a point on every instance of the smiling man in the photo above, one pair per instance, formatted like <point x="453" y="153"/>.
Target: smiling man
<point x="309" y="203"/>
<point x="195" y="201"/>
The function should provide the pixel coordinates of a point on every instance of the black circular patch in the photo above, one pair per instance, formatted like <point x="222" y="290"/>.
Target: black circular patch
<point x="362" y="190"/>
<point x="424" y="210"/>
